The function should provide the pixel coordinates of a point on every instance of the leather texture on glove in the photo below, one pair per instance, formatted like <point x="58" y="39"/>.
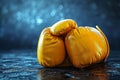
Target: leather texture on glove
<point x="86" y="46"/>
<point x="51" y="49"/>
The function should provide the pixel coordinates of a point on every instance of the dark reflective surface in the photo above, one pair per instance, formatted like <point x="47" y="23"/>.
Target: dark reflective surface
<point x="96" y="73"/>
<point x="23" y="65"/>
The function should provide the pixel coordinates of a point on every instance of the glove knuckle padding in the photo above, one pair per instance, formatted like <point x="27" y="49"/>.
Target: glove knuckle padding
<point x="86" y="46"/>
<point x="62" y="27"/>
<point x="51" y="50"/>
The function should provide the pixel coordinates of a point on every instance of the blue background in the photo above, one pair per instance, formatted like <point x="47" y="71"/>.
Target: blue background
<point x="21" y="21"/>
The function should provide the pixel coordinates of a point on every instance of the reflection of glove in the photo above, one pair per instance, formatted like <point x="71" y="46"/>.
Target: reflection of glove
<point x="51" y="50"/>
<point x="86" y="46"/>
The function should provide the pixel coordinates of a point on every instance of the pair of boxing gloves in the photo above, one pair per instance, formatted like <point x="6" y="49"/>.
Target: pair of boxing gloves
<point x="65" y="44"/>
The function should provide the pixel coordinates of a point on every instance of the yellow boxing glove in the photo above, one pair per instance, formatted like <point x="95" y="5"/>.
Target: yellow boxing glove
<point x="86" y="46"/>
<point x="51" y="50"/>
<point x="61" y="28"/>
